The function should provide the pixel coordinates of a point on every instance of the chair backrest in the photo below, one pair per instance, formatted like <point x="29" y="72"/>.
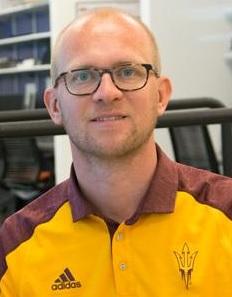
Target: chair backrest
<point x="2" y="160"/>
<point x="227" y="148"/>
<point x="7" y="204"/>
<point x="22" y="161"/>
<point x="27" y="172"/>
<point x="192" y="146"/>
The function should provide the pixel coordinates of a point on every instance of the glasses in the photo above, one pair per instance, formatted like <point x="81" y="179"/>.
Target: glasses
<point x="128" y="77"/>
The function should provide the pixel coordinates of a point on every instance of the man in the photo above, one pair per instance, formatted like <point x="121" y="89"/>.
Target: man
<point x="129" y="221"/>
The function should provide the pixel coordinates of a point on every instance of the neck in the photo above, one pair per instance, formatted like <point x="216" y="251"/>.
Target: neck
<point x="116" y="187"/>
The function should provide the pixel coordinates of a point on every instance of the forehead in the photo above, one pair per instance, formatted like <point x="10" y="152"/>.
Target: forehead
<point x="108" y="41"/>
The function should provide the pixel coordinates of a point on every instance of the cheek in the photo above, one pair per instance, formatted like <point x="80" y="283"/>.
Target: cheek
<point x="147" y="102"/>
<point x="154" y="99"/>
<point x="73" y="112"/>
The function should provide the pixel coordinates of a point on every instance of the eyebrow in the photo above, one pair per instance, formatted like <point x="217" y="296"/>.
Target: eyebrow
<point x="87" y="66"/>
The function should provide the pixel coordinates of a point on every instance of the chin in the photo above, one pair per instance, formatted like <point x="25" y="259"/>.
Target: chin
<point x="112" y="147"/>
<point x="111" y="151"/>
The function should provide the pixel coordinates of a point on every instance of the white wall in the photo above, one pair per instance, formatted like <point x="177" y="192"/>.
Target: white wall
<point x="193" y="37"/>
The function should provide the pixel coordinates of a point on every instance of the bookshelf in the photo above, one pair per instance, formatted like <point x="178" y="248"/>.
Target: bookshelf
<point x="24" y="47"/>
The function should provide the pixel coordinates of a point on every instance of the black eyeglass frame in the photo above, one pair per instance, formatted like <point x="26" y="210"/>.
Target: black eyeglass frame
<point x="148" y="67"/>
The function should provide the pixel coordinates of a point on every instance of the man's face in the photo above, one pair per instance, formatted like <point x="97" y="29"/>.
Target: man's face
<point x="109" y="123"/>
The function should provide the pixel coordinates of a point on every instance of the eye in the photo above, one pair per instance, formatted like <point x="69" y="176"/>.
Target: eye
<point x="82" y="76"/>
<point x="127" y="72"/>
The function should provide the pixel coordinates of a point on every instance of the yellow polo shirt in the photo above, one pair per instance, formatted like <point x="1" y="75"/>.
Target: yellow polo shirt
<point x="178" y="243"/>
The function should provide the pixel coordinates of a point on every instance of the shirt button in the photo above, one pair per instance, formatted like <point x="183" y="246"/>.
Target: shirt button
<point x="119" y="236"/>
<point x="122" y="266"/>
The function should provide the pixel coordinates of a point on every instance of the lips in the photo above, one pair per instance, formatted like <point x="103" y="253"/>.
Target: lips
<point x="105" y="118"/>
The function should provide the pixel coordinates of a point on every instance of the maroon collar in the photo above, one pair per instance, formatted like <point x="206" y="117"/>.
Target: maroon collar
<point x="160" y="196"/>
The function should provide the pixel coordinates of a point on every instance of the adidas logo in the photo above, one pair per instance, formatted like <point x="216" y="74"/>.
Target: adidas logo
<point x="65" y="281"/>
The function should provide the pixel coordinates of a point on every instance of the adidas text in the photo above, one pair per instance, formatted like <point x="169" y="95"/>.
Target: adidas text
<point x="68" y="285"/>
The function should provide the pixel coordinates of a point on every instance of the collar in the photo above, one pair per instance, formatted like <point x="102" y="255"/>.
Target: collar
<point x="160" y="196"/>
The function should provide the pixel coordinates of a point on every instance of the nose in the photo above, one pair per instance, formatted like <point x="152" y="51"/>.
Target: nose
<point x="107" y="91"/>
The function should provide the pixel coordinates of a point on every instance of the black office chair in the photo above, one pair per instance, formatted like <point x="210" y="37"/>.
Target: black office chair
<point x="25" y="170"/>
<point x="22" y="159"/>
<point x="25" y="175"/>
<point x="192" y="146"/>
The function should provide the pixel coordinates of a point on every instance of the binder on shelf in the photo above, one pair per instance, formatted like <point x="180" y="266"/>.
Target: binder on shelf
<point x="43" y="82"/>
<point x="8" y="84"/>
<point x="43" y="51"/>
<point x="42" y="21"/>
<point x="7" y="57"/>
<point x="23" y="23"/>
<point x="38" y="50"/>
<point x="29" y="96"/>
<point x="42" y="79"/>
<point x="6" y="51"/>
<point x="23" y="80"/>
<point x="5" y="28"/>
<point x="17" y="84"/>
<point x="24" y="51"/>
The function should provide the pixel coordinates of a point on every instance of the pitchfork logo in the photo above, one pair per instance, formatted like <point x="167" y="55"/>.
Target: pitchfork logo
<point x="186" y="260"/>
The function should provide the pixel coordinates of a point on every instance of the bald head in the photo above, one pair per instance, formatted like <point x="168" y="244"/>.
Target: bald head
<point x="101" y="21"/>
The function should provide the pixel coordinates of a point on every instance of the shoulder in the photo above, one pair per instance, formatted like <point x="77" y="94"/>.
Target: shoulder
<point x="20" y="226"/>
<point x="206" y="187"/>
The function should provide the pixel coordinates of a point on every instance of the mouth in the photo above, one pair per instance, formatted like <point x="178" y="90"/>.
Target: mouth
<point x="108" y="118"/>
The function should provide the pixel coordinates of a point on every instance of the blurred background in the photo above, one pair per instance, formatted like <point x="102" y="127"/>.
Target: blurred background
<point x="195" y="41"/>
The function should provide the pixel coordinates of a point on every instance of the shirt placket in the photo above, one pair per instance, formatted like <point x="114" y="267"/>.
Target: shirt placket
<point x="122" y="264"/>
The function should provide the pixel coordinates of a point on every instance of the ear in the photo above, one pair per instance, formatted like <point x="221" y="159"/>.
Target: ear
<point x="52" y="104"/>
<point x="165" y="91"/>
